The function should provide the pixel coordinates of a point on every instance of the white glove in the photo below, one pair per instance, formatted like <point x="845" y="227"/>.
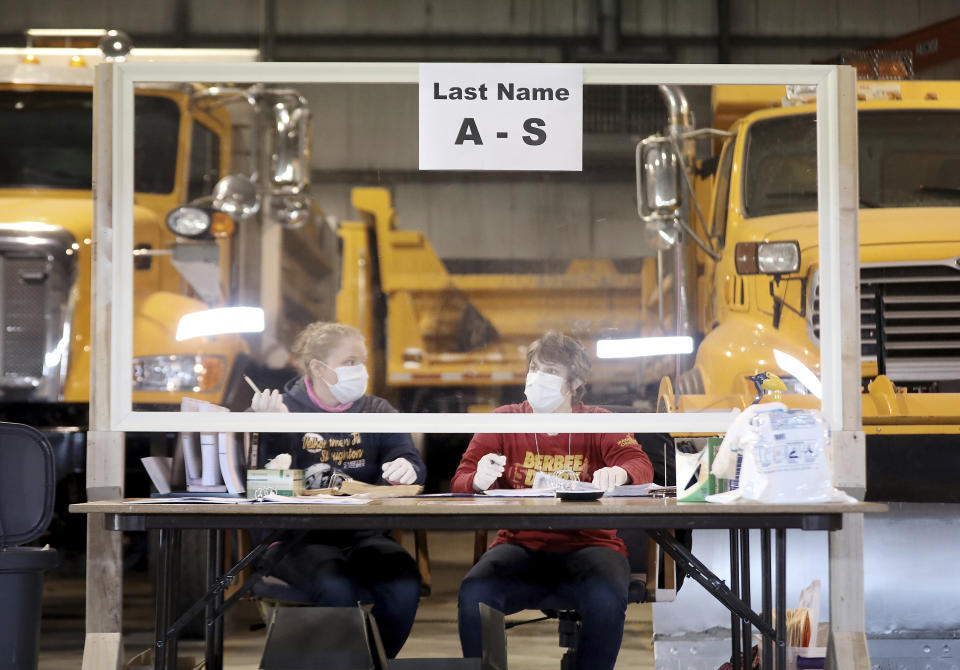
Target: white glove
<point x="608" y="479"/>
<point x="399" y="471"/>
<point x="489" y="469"/>
<point x="279" y="462"/>
<point x="268" y="401"/>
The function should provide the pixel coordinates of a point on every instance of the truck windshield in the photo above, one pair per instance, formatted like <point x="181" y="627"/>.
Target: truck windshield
<point x="46" y="141"/>
<point x="908" y="158"/>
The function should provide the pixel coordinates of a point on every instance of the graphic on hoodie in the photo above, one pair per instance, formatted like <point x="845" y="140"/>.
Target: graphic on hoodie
<point x="336" y="455"/>
<point x="322" y="476"/>
<point x="357" y="455"/>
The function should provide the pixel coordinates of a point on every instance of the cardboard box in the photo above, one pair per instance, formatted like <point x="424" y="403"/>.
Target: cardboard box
<point x="262" y="482"/>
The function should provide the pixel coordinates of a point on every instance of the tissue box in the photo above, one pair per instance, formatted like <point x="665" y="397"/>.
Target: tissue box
<point x="282" y="482"/>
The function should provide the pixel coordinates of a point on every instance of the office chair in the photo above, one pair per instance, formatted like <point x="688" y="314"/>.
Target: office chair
<point x="274" y="592"/>
<point x="27" y="485"/>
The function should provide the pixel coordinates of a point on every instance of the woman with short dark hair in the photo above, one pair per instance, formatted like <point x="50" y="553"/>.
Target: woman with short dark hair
<point x="585" y="567"/>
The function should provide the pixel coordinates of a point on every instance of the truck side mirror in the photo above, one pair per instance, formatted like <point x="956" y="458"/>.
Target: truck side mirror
<point x="658" y="179"/>
<point x="289" y="159"/>
<point x="237" y="196"/>
<point x="290" y="150"/>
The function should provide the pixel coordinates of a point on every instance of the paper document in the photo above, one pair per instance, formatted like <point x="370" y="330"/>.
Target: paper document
<point x="549" y="491"/>
<point x="314" y="500"/>
<point x="520" y="493"/>
<point x="641" y="490"/>
<point x="232" y="467"/>
<point x="626" y="491"/>
<point x="216" y="500"/>
<point x="159" y="469"/>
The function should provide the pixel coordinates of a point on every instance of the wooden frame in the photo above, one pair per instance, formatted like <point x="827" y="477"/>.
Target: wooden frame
<point x="111" y="410"/>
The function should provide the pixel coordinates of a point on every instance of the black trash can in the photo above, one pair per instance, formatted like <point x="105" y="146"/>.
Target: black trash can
<point x="27" y="485"/>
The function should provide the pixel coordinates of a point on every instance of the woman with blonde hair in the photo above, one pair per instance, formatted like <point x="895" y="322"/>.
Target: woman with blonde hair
<point x="340" y="568"/>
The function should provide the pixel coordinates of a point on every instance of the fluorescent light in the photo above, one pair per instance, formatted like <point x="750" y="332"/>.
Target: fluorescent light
<point x="803" y="374"/>
<point x="220" y="321"/>
<point x="644" y="346"/>
<point x="30" y="227"/>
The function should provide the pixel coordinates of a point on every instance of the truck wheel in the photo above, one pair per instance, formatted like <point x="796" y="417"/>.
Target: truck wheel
<point x="690" y="382"/>
<point x="666" y="399"/>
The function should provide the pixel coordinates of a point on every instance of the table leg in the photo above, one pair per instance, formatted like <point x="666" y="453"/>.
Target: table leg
<point x="218" y="602"/>
<point x="213" y="630"/>
<point x="766" y="565"/>
<point x="735" y="588"/>
<point x="173" y="561"/>
<point x="161" y="593"/>
<point x="747" y="630"/>
<point x="701" y="574"/>
<point x="781" y="535"/>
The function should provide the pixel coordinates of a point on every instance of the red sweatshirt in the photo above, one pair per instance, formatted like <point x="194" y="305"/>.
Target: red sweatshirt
<point x="583" y="453"/>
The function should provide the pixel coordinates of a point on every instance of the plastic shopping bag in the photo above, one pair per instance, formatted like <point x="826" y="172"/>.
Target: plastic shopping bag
<point x="727" y="458"/>
<point x="784" y="457"/>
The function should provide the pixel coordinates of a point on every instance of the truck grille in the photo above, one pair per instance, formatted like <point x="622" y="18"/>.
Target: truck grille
<point x="24" y="307"/>
<point x="909" y="319"/>
<point x="36" y="278"/>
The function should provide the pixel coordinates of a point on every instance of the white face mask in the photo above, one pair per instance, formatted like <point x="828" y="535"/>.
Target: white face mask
<point x="544" y="391"/>
<point x="351" y="382"/>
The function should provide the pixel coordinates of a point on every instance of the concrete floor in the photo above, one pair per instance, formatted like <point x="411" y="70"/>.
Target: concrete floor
<point x="532" y="646"/>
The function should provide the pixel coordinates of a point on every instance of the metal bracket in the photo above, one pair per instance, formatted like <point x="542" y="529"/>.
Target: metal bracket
<point x="713" y="584"/>
<point x="218" y="586"/>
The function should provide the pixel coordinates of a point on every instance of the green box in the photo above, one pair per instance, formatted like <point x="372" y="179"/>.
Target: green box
<point x="262" y="482"/>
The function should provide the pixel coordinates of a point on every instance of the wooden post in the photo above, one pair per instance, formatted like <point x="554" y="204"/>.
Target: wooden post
<point x="103" y="645"/>
<point x="840" y="359"/>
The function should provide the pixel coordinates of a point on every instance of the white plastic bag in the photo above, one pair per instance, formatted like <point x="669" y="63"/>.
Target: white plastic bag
<point x="785" y="457"/>
<point x="725" y="463"/>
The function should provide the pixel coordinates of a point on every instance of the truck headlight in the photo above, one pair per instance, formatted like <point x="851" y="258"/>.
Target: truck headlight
<point x="771" y="258"/>
<point x="189" y="221"/>
<point x="175" y="373"/>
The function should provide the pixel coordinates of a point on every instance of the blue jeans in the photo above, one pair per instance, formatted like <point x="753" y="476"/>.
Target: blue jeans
<point x="374" y="570"/>
<point x="594" y="581"/>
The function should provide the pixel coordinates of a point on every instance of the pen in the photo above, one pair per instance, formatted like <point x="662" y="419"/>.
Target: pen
<point x="251" y="384"/>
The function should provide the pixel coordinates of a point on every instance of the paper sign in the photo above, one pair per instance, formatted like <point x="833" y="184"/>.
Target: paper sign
<point x="501" y="116"/>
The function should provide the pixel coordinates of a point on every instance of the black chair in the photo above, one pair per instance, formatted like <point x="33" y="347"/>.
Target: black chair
<point x="275" y="592"/>
<point x="348" y="638"/>
<point x="27" y="485"/>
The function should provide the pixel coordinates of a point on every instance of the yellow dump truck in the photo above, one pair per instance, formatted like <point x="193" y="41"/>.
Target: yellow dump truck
<point x="205" y="235"/>
<point x="452" y="335"/>
<point x="755" y="267"/>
